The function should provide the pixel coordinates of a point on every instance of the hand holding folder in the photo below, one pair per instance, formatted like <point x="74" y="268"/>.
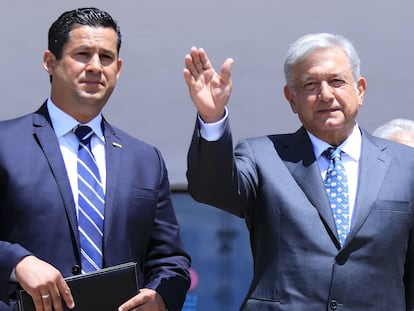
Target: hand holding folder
<point x="103" y="290"/>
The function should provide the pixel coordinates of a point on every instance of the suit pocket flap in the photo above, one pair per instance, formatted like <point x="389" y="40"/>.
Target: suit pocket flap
<point x="393" y="206"/>
<point x="146" y="193"/>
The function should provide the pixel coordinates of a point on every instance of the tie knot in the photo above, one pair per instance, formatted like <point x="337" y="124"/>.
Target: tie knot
<point x="84" y="133"/>
<point x="333" y="153"/>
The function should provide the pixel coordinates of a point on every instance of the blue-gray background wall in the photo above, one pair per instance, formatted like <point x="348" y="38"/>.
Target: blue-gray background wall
<point x="151" y="100"/>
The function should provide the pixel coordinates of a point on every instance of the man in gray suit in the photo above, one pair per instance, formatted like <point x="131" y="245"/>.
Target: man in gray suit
<point x="304" y="258"/>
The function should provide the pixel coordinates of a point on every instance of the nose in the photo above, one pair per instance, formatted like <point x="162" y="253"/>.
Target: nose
<point x="94" y="64"/>
<point x="326" y="91"/>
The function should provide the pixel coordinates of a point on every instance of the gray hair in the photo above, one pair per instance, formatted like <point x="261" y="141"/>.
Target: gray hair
<point x="307" y="44"/>
<point x="393" y="127"/>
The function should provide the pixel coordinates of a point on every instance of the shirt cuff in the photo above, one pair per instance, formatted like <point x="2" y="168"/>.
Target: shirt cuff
<point x="13" y="276"/>
<point x="213" y="131"/>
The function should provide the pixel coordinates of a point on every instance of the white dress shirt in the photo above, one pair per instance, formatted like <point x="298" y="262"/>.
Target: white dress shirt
<point x="63" y="125"/>
<point x="351" y="152"/>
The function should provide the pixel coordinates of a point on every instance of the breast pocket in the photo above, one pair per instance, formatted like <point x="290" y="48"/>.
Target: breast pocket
<point x="146" y="200"/>
<point x="262" y="304"/>
<point x="145" y="193"/>
<point x="393" y="206"/>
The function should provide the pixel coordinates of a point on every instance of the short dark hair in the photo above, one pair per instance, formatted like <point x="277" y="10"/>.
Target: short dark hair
<point x="60" y="29"/>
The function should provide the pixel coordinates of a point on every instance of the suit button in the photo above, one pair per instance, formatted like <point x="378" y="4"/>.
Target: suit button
<point x="76" y="270"/>
<point x="341" y="259"/>
<point x="333" y="304"/>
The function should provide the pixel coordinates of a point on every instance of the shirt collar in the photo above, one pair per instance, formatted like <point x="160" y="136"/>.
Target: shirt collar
<point x="351" y="146"/>
<point x="63" y="123"/>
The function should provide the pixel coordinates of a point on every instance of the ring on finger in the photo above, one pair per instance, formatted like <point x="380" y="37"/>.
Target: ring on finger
<point x="45" y="296"/>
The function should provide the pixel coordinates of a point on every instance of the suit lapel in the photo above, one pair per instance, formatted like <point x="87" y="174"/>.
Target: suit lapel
<point x="298" y="156"/>
<point x="113" y="150"/>
<point x="296" y="151"/>
<point x="47" y="140"/>
<point x="373" y="166"/>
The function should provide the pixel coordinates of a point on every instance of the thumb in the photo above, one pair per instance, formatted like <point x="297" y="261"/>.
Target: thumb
<point x="225" y="71"/>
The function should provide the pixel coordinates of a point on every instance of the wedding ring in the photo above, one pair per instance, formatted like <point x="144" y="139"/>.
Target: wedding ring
<point x="45" y="296"/>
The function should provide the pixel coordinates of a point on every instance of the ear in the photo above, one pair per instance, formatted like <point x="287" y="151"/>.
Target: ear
<point x="119" y="67"/>
<point x="290" y="96"/>
<point x="49" y="62"/>
<point x="361" y="87"/>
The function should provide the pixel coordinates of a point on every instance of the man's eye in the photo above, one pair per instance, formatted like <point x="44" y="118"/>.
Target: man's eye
<point x="310" y="86"/>
<point x="106" y="59"/>
<point x="83" y="55"/>
<point x="337" y="82"/>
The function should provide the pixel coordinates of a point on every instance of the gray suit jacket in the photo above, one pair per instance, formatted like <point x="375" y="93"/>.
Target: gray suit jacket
<point x="274" y="183"/>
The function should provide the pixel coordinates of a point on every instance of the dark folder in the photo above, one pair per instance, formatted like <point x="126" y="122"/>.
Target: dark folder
<point x="103" y="290"/>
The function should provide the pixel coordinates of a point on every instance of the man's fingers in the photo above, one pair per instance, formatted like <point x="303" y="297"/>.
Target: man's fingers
<point x="47" y="302"/>
<point x="225" y="72"/>
<point x="50" y="297"/>
<point x="146" y="299"/>
<point x="131" y="303"/>
<point x="197" y="59"/>
<point x="188" y="77"/>
<point x="189" y="65"/>
<point x="197" y="62"/>
<point x="205" y="62"/>
<point x="66" y="294"/>
<point x="38" y="302"/>
<point x="44" y="283"/>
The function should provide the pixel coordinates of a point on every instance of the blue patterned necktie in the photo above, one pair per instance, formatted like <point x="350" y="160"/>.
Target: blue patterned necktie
<point x="336" y="185"/>
<point x="90" y="203"/>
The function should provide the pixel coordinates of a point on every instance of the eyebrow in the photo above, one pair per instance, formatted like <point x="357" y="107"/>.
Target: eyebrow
<point x="88" y="48"/>
<point x="308" y="77"/>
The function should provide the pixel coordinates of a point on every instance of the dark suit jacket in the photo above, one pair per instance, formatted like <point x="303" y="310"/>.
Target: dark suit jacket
<point x="274" y="182"/>
<point x="37" y="210"/>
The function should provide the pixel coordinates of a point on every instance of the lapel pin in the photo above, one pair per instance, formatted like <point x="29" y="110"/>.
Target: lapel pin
<point x="116" y="145"/>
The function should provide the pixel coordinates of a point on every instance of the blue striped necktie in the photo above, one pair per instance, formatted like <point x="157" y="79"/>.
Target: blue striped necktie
<point x="90" y="203"/>
<point x="336" y="184"/>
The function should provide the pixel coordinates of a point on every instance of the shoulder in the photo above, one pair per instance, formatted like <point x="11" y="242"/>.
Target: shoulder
<point x="17" y="120"/>
<point x="396" y="151"/>
<point x="134" y="145"/>
<point x="282" y="142"/>
<point x="19" y="124"/>
<point x="385" y="144"/>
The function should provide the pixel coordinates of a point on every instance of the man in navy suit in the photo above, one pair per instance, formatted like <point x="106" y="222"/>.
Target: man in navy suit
<point x="39" y="234"/>
<point x="302" y="261"/>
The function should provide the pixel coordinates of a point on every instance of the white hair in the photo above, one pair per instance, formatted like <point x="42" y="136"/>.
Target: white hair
<point x="393" y="127"/>
<point x="307" y="44"/>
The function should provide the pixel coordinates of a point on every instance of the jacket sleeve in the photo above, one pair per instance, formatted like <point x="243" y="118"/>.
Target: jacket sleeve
<point x="166" y="265"/>
<point x="220" y="176"/>
<point x="11" y="254"/>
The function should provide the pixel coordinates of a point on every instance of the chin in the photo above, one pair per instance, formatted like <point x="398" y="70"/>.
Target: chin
<point x="333" y="123"/>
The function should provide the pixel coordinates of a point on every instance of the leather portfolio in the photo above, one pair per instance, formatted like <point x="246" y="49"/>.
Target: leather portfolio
<point x="103" y="290"/>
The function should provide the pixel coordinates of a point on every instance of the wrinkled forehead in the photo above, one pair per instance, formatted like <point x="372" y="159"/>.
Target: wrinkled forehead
<point x="91" y="35"/>
<point x="331" y="61"/>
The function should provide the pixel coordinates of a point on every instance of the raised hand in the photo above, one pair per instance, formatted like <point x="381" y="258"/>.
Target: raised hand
<point x="209" y="91"/>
